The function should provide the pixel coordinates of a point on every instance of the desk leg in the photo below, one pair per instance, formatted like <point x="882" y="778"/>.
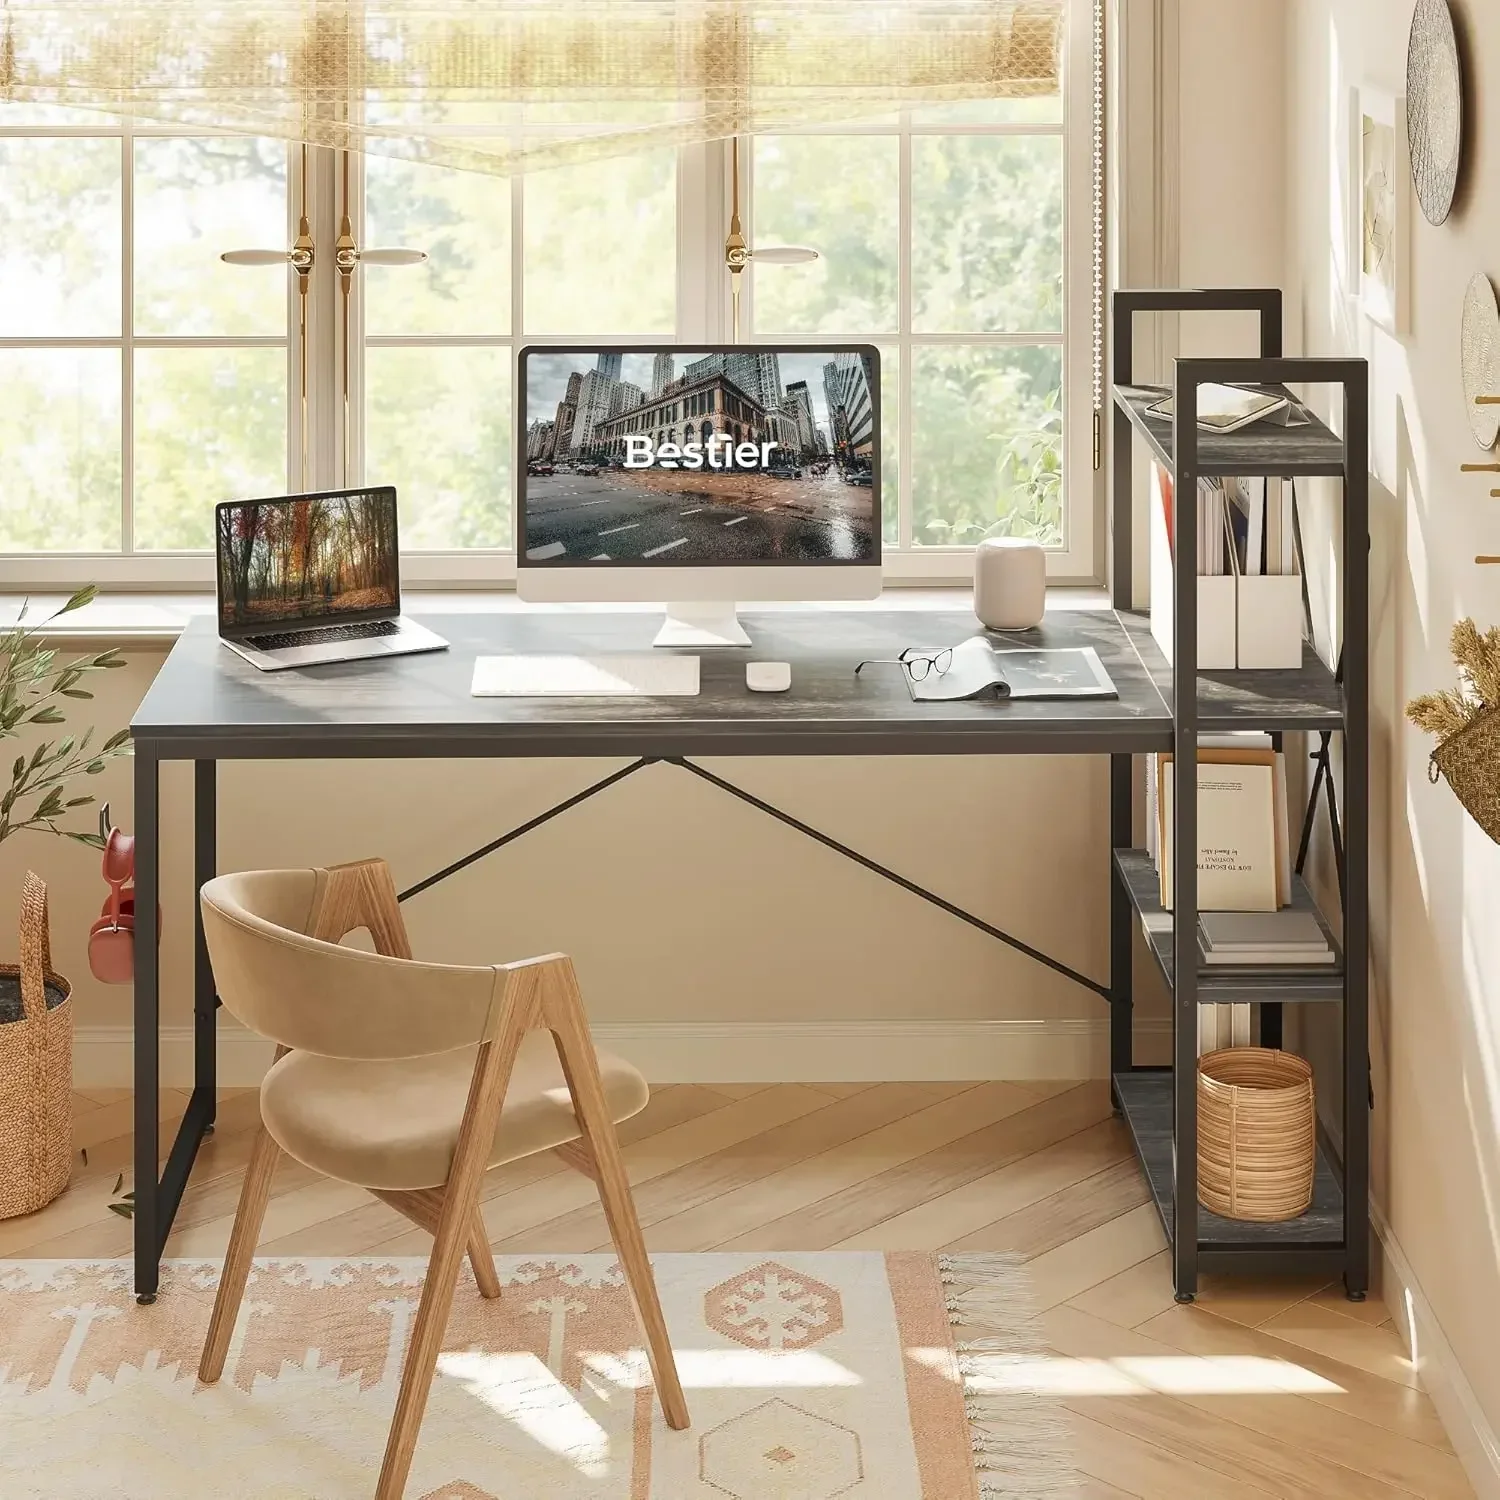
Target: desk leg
<point x="205" y="1000"/>
<point x="147" y="1028"/>
<point x="1121" y="923"/>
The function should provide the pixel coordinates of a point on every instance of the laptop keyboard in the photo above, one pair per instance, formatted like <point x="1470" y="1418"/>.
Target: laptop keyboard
<point x="324" y="634"/>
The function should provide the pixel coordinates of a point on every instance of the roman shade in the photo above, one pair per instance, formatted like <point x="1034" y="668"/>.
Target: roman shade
<point x="503" y="86"/>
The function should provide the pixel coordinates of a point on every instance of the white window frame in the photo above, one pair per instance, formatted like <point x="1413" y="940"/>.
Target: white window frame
<point x="703" y="314"/>
<point x="126" y="568"/>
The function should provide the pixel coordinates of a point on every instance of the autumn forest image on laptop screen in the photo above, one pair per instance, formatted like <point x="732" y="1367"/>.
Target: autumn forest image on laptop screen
<point x="305" y="558"/>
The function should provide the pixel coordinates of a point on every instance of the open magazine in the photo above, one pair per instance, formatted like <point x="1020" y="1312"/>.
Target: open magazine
<point x="979" y="670"/>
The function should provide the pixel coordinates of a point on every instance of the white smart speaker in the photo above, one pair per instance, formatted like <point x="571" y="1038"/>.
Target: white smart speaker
<point x="1010" y="582"/>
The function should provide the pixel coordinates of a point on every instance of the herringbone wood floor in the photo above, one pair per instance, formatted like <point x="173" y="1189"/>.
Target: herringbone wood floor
<point x="1275" y="1389"/>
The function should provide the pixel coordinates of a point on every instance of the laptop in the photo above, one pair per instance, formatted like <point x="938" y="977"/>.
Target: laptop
<point x="305" y="579"/>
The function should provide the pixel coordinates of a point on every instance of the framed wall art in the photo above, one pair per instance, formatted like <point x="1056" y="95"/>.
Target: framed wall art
<point x="1380" y="208"/>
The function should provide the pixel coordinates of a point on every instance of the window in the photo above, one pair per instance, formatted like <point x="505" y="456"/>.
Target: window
<point x="145" y="379"/>
<point x="957" y="239"/>
<point x="140" y="373"/>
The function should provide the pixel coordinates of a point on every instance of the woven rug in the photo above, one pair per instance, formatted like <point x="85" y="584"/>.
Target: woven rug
<point x="808" y="1376"/>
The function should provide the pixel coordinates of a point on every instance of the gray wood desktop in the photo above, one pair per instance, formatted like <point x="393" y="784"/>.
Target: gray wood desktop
<point x="208" y="705"/>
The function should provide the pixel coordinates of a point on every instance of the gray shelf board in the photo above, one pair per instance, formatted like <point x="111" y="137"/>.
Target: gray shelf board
<point x="1263" y="448"/>
<point x="1274" y="698"/>
<point x="1279" y="983"/>
<point x="1146" y="1098"/>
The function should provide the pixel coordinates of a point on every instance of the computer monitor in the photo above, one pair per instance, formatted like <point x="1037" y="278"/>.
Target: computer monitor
<point x="697" y="475"/>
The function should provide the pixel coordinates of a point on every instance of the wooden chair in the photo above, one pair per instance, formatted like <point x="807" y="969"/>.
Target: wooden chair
<point x="411" y="1079"/>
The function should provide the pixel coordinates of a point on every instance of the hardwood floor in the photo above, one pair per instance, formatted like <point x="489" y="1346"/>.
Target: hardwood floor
<point x="1276" y="1389"/>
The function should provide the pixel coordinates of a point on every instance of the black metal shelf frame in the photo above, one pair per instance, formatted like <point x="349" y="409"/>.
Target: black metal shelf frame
<point x="1170" y="1159"/>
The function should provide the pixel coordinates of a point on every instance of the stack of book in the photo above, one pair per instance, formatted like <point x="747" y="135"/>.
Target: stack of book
<point x="1249" y="939"/>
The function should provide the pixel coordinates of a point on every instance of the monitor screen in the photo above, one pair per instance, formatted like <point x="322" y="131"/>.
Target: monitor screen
<point x="306" y="557"/>
<point x="679" y="456"/>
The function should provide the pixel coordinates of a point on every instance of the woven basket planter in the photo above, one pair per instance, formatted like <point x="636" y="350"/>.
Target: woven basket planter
<point x="36" y="1069"/>
<point x="1256" y="1134"/>
<point x="1470" y="759"/>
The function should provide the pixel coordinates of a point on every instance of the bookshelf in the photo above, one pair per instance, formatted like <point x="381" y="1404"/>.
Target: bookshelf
<point x="1160" y="1104"/>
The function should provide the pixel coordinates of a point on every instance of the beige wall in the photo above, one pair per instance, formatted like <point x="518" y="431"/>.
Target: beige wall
<point x="1436" y="877"/>
<point x="1231" y="191"/>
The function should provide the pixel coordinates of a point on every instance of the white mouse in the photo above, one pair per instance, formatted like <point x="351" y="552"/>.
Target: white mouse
<point x="768" y="676"/>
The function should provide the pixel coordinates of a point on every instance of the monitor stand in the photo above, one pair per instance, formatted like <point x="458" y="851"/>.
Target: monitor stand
<point x="712" y="624"/>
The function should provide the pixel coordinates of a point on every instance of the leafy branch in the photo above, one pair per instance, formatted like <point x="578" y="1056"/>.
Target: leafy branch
<point x="32" y="686"/>
<point x="1029" y="503"/>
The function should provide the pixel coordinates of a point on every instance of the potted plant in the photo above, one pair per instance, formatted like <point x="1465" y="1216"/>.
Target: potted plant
<point x="36" y="1021"/>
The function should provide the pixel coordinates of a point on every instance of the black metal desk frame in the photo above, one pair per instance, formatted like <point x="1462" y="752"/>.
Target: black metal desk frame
<point x="755" y="731"/>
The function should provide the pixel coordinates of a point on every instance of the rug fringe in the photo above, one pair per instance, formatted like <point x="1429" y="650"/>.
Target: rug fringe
<point x="1020" y="1438"/>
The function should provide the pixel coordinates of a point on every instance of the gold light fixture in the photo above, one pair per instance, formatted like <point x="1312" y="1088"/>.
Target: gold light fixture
<point x="737" y="251"/>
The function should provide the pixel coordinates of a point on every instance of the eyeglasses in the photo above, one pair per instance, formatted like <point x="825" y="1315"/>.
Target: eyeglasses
<point x="917" y="663"/>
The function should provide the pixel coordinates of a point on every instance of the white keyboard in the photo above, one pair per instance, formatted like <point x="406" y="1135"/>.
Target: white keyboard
<point x="654" y="676"/>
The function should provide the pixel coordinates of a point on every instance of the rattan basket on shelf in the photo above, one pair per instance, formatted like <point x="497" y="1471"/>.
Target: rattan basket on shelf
<point x="1470" y="759"/>
<point x="1256" y="1134"/>
<point x="36" y="1070"/>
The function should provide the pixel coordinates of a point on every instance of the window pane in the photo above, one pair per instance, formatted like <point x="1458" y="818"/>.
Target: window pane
<point x="462" y="221"/>
<point x="986" y="444"/>
<point x="838" y="194"/>
<point x="193" y="200"/>
<point x="438" y="427"/>
<point x="60" y="231"/>
<point x="987" y="234"/>
<point x="210" y="425"/>
<point x="601" y="247"/>
<point x="60" y="450"/>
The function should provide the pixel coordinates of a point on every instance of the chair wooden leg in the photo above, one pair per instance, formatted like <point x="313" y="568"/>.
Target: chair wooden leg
<point x="562" y="1008"/>
<point x="482" y="1258"/>
<point x="254" y="1192"/>
<point x="492" y="1071"/>
<point x="630" y="1246"/>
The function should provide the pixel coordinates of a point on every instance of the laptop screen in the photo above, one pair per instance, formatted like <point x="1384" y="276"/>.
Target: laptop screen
<point x="305" y="559"/>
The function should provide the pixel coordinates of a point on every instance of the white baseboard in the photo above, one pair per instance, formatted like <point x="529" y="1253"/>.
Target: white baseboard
<point x="722" y="1051"/>
<point x="1474" y="1438"/>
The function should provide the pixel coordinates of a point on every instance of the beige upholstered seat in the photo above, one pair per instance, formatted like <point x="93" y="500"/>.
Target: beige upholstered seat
<point x="410" y="1079"/>
<point x="396" y="1124"/>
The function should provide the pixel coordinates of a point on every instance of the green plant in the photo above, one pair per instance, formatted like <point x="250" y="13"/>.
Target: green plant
<point x="1029" y="498"/>
<point x="33" y="684"/>
<point x="1478" y="659"/>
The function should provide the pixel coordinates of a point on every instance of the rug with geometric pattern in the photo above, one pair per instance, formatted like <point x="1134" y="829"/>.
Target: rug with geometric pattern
<point x="808" y="1377"/>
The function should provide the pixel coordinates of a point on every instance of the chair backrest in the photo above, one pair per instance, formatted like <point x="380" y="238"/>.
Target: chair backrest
<point x="273" y="939"/>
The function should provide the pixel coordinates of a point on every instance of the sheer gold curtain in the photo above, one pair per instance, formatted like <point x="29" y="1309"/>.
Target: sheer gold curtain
<point x="507" y="85"/>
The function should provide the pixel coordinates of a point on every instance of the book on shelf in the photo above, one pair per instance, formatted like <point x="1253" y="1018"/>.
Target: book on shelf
<point x="1242" y="856"/>
<point x="1249" y="597"/>
<point x="1242" y="740"/>
<point x="1244" y="525"/>
<point x="1291" y="939"/>
<point x="1221" y="1026"/>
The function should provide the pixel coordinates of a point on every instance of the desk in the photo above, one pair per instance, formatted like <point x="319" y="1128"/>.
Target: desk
<point x="207" y="705"/>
